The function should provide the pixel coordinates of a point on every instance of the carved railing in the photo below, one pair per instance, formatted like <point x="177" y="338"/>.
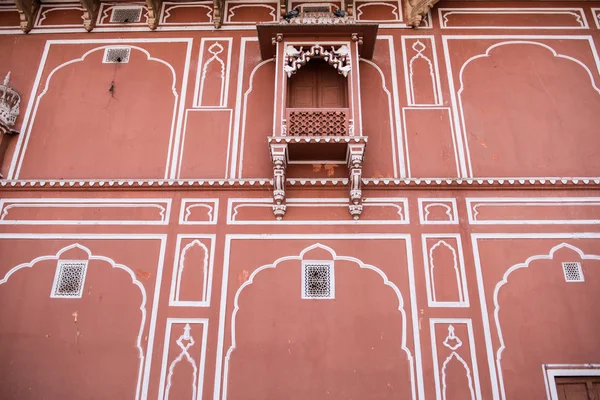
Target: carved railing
<point x="317" y="122"/>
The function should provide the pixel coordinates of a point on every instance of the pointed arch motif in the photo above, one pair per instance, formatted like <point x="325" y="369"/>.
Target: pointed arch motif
<point x="196" y="243"/>
<point x="334" y="257"/>
<point x="110" y="261"/>
<point x="504" y="281"/>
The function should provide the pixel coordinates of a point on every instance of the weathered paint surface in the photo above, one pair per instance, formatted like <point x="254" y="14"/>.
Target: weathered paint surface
<point x="156" y="172"/>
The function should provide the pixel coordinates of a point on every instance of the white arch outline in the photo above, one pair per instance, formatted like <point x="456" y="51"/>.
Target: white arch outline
<point x="504" y="281"/>
<point x="182" y="265"/>
<point x="114" y="265"/>
<point x="446" y="206"/>
<point x="376" y="3"/>
<point x="167" y="13"/>
<point x="487" y="54"/>
<point x="335" y="257"/>
<point x="231" y="13"/>
<point x="457" y="273"/>
<point x="243" y="116"/>
<point x="394" y="126"/>
<point x="30" y="122"/>
<point x="458" y="358"/>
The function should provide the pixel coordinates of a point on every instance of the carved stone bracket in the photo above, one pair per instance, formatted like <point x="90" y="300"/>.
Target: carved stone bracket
<point x="279" y="159"/>
<point x="154" y="7"/>
<point x="338" y="58"/>
<point x="90" y="12"/>
<point x="415" y="10"/>
<point x="9" y="111"/>
<point x="356" y="153"/>
<point x="27" y="11"/>
<point x="218" y="8"/>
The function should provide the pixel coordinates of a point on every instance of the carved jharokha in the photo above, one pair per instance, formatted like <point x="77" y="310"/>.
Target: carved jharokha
<point x="317" y="116"/>
<point x="9" y="111"/>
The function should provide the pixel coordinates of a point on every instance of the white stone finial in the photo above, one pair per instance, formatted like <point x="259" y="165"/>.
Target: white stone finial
<point x="7" y="79"/>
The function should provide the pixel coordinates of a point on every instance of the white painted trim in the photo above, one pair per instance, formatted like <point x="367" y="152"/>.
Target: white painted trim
<point x="459" y="266"/>
<point x="165" y="359"/>
<point x="393" y="125"/>
<point x="456" y="98"/>
<point x="493" y="362"/>
<point x="144" y="369"/>
<point x="578" y="13"/>
<point x="164" y="205"/>
<point x="178" y="269"/>
<point x="185" y="210"/>
<point x="184" y="134"/>
<point x="466" y="321"/>
<point x="170" y="5"/>
<point x="551" y="372"/>
<point x="221" y="375"/>
<point x="401" y="144"/>
<point x="236" y="126"/>
<point x="596" y="14"/>
<point x="201" y="71"/>
<point x="244" y="116"/>
<point x="31" y="111"/>
<point x="474" y="202"/>
<point x="434" y="71"/>
<point x="452" y="134"/>
<point x="46" y="8"/>
<point x="228" y="9"/>
<point x="400" y="203"/>
<point x="396" y="9"/>
<point x="452" y="210"/>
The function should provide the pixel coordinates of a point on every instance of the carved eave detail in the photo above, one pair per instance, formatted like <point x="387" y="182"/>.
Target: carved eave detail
<point x="154" y="7"/>
<point x="218" y="9"/>
<point x="9" y="111"/>
<point x="415" y="10"/>
<point x="338" y="58"/>
<point x="27" y="12"/>
<point x="90" y="12"/>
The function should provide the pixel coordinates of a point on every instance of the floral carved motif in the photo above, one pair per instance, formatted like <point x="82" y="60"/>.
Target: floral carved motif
<point x="338" y="58"/>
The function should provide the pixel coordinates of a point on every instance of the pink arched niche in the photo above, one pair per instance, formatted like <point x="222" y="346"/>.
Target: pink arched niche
<point x="65" y="347"/>
<point x="540" y="318"/>
<point x="256" y="123"/>
<point x="102" y="120"/>
<point x="529" y="111"/>
<point x="353" y="346"/>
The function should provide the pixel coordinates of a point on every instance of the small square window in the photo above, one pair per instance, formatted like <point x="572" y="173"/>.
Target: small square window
<point x="572" y="271"/>
<point x="69" y="279"/>
<point x="116" y="55"/>
<point x="318" y="280"/>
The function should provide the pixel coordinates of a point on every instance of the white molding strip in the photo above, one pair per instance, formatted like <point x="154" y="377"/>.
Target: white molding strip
<point x="186" y="211"/>
<point x="439" y="392"/>
<point x="427" y="203"/>
<point x="544" y="205"/>
<point x="178" y="267"/>
<point x="164" y="378"/>
<point x="399" y="204"/>
<point x="580" y="22"/>
<point x="163" y="207"/>
<point x="447" y="241"/>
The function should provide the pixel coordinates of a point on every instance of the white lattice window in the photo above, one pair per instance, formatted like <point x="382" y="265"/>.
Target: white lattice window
<point x="69" y="279"/>
<point x="126" y="15"/>
<point x="114" y="55"/>
<point x="572" y="271"/>
<point x="318" y="280"/>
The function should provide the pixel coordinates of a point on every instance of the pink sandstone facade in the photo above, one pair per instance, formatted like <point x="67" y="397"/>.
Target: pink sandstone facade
<point x="244" y="199"/>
